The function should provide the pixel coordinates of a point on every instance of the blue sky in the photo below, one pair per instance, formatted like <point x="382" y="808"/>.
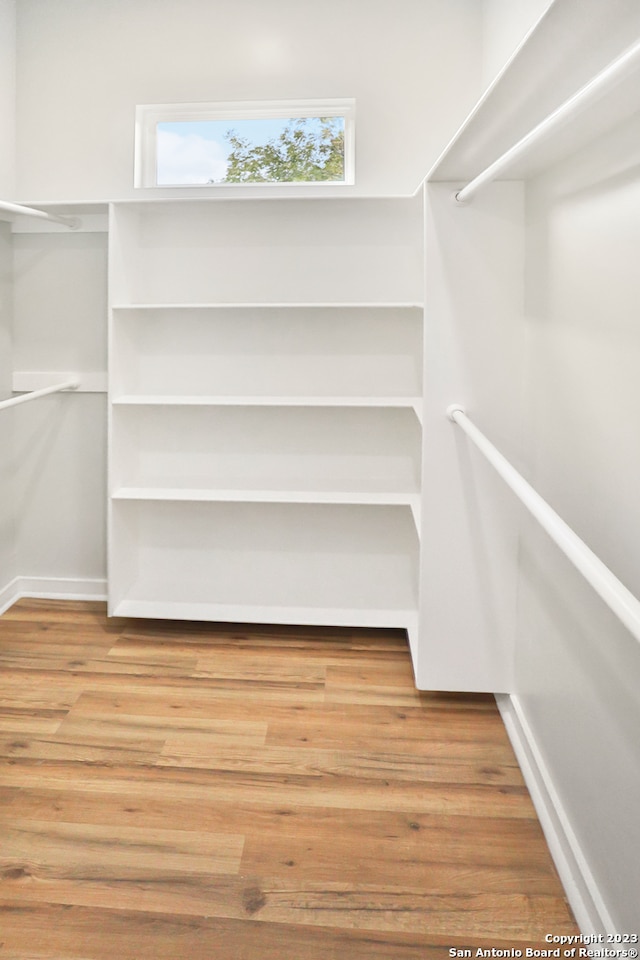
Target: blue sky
<point x="196" y="151"/>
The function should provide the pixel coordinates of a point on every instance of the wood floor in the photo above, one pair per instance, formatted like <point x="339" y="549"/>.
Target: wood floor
<point x="214" y="793"/>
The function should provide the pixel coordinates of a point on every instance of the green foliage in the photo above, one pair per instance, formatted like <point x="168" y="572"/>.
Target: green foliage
<point x="297" y="154"/>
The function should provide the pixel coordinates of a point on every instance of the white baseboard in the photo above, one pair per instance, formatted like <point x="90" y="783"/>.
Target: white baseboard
<point x="579" y="884"/>
<point x="52" y="588"/>
<point x="9" y="595"/>
<point x="62" y="588"/>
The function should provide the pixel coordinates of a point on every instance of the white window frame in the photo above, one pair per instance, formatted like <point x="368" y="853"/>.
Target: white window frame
<point x="150" y="114"/>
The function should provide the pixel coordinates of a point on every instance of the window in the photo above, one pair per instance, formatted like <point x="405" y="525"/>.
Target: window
<point x="206" y="144"/>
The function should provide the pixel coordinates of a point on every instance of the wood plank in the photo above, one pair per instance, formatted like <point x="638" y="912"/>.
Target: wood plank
<point x="20" y="723"/>
<point x="193" y="752"/>
<point x="299" y="860"/>
<point x="53" y="931"/>
<point x="373" y="909"/>
<point x="94" y="667"/>
<point x="424" y="731"/>
<point x="227" y="662"/>
<point x="367" y="907"/>
<point x="51" y="747"/>
<point x="372" y="683"/>
<point x="36" y="693"/>
<point x="43" y="849"/>
<point x="129" y="676"/>
<point x="66" y="612"/>
<point x="306" y="791"/>
<point x="434" y="838"/>
<point x="203" y="733"/>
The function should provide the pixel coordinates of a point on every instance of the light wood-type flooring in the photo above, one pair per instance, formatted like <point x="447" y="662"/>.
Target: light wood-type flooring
<point x="216" y="792"/>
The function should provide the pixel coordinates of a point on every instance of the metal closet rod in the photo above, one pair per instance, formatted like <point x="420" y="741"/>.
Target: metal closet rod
<point x="26" y="397"/>
<point x="72" y="222"/>
<point x="614" y="593"/>
<point x="607" y="78"/>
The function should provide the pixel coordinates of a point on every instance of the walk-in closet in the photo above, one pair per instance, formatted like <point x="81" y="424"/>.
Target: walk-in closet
<point x="396" y="411"/>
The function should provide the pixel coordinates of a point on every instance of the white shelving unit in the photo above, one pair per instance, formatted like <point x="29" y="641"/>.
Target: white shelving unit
<point x="476" y="347"/>
<point x="569" y="46"/>
<point x="225" y="452"/>
<point x="266" y="395"/>
<point x="264" y="562"/>
<point x="351" y="355"/>
<point x="531" y="287"/>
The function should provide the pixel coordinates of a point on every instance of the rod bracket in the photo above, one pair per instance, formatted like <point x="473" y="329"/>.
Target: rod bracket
<point x="454" y="408"/>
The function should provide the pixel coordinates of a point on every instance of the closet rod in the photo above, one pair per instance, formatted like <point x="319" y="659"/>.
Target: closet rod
<point x="14" y="401"/>
<point x="611" y="75"/>
<point x="614" y="593"/>
<point x="72" y="222"/>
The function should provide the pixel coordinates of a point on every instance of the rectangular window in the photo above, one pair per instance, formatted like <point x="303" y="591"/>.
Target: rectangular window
<point x="207" y="144"/>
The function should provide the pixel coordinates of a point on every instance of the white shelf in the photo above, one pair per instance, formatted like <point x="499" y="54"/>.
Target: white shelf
<point x="280" y="305"/>
<point x="564" y="51"/>
<point x="265" y="454"/>
<point x="349" y="454"/>
<point x="183" y="197"/>
<point x="265" y="495"/>
<point x="361" y="560"/>
<point x="239" y="495"/>
<point x="268" y="400"/>
<point x="256" y="353"/>
<point x="337" y="252"/>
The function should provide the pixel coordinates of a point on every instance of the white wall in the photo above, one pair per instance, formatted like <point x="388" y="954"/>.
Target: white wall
<point x="60" y="292"/>
<point x="578" y="670"/>
<point x="7" y="97"/>
<point x="412" y="65"/>
<point x="7" y="511"/>
<point x="505" y="24"/>
<point x="7" y="170"/>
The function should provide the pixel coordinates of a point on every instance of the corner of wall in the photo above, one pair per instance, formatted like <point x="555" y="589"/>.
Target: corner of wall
<point x="7" y="500"/>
